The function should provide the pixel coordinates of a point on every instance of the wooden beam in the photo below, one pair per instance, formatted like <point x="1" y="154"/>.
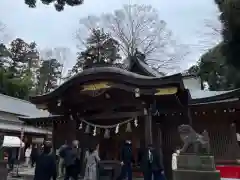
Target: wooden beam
<point x="114" y="115"/>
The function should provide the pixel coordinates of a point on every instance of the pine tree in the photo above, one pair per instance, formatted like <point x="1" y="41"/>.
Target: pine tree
<point x="101" y="49"/>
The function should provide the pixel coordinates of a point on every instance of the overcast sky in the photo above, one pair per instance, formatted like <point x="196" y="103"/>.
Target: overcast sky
<point x="48" y="28"/>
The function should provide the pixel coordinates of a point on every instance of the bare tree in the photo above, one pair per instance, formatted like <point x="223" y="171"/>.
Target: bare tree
<point x="2" y="32"/>
<point x="136" y="27"/>
<point x="4" y="36"/>
<point x="210" y="35"/>
<point x="61" y="54"/>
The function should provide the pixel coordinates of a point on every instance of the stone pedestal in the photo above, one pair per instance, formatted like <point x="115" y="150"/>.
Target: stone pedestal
<point x="195" y="167"/>
<point x="108" y="170"/>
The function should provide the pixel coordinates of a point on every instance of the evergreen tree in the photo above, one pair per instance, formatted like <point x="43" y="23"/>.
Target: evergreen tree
<point x="230" y="15"/>
<point x="18" y="63"/>
<point x="101" y="49"/>
<point x="213" y="69"/>
<point x="59" y="4"/>
<point x="4" y="55"/>
<point x="48" y="76"/>
<point x="23" y="57"/>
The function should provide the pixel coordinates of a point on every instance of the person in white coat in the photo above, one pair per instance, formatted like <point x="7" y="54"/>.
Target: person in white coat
<point x="28" y="155"/>
<point x="91" y="165"/>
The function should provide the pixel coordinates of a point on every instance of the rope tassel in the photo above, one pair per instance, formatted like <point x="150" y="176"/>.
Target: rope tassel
<point x="107" y="134"/>
<point x="80" y="126"/>
<point x="129" y="128"/>
<point x="117" y="129"/>
<point x="95" y="131"/>
<point x="87" y="130"/>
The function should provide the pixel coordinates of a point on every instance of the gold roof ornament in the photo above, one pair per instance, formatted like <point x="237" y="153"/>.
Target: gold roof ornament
<point x="166" y="91"/>
<point x="96" y="86"/>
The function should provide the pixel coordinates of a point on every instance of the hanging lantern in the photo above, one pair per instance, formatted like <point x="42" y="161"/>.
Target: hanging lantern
<point x="129" y="128"/>
<point x="107" y="134"/>
<point x="117" y="129"/>
<point x="80" y="126"/>
<point x="95" y="131"/>
<point x="135" y="122"/>
<point x="87" y="130"/>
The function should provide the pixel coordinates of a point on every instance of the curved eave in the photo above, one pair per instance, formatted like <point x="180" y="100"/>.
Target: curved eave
<point x="31" y="120"/>
<point x="221" y="97"/>
<point x="110" y="74"/>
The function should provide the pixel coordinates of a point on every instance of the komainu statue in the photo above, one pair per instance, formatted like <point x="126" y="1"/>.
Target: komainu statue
<point x="193" y="142"/>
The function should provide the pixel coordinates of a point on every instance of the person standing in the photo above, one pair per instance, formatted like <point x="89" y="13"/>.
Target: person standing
<point x="12" y="156"/>
<point x="28" y="155"/>
<point x="61" y="165"/>
<point x="71" y="161"/>
<point x="34" y="155"/>
<point x="84" y="163"/>
<point x="127" y="159"/>
<point x="91" y="164"/>
<point x="151" y="164"/>
<point x="46" y="164"/>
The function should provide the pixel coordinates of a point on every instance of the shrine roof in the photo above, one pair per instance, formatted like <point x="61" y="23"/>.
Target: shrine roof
<point x="112" y="74"/>
<point x="19" y="107"/>
<point x="206" y="96"/>
<point x="200" y="96"/>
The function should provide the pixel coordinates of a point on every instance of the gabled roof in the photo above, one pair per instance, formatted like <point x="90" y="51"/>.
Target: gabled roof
<point x="147" y="69"/>
<point x="111" y="74"/>
<point x="142" y="66"/>
<point x="19" y="107"/>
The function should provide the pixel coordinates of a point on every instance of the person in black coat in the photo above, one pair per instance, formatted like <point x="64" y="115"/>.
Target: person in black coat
<point x="46" y="165"/>
<point x="71" y="160"/>
<point x="12" y="157"/>
<point x="151" y="164"/>
<point x="34" y="155"/>
<point x="127" y="159"/>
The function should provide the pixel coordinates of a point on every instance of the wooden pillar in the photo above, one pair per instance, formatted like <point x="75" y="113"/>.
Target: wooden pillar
<point x="148" y="127"/>
<point x="72" y="130"/>
<point x="159" y="134"/>
<point x="159" y="144"/>
<point x="189" y="116"/>
<point x="54" y="136"/>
